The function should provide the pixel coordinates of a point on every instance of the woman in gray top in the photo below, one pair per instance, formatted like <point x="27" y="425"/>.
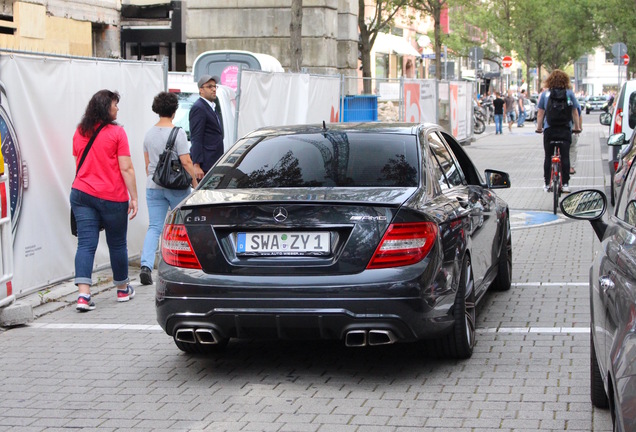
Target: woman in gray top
<point x="158" y="198"/>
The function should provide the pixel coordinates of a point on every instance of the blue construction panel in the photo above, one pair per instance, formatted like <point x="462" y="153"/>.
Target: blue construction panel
<point x="360" y="108"/>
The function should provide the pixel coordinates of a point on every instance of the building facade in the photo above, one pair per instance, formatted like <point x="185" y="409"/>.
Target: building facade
<point x="66" y="27"/>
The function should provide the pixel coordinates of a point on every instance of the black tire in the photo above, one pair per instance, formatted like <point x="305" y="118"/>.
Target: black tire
<point x="503" y="281"/>
<point x="556" y="180"/>
<point x="480" y="126"/>
<point x="459" y="343"/>
<point x="195" y="348"/>
<point x="597" y="388"/>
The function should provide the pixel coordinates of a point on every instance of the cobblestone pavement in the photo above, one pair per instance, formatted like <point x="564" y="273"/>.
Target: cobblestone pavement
<point x="113" y="369"/>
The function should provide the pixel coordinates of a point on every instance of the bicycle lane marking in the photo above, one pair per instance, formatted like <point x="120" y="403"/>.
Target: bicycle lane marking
<point x="528" y="219"/>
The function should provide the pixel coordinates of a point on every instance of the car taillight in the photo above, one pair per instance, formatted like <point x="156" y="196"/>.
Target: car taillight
<point x="404" y="244"/>
<point x="615" y="165"/>
<point x="618" y="123"/>
<point x="176" y="249"/>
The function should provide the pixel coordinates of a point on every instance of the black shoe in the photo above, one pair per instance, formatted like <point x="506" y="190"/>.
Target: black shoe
<point x="145" y="276"/>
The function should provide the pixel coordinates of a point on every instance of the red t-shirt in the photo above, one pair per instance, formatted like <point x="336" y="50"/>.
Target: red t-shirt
<point x="100" y="175"/>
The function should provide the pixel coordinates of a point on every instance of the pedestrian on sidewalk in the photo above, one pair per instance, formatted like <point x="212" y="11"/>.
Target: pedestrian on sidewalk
<point x="521" y="108"/>
<point x="510" y="105"/>
<point x="158" y="198"/>
<point x="206" y="127"/>
<point x="498" y="104"/>
<point x="103" y="194"/>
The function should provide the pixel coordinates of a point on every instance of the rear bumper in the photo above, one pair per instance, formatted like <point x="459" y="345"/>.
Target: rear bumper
<point x="304" y="319"/>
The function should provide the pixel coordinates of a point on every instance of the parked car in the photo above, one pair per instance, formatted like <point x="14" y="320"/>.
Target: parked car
<point x="612" y="299"/>
<point x="618" y="148"/>
<point x="623" y="161"/>
<point x="594" y="103"/>
<point x="582" y="101"/>
<point x="531" y="110"/>
<point x="296" y="233"/>
<point x="624" y="115"/>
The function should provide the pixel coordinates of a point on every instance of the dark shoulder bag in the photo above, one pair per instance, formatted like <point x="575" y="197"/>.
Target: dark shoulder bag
<point x="169" y="172"/>
<point x="79" y="165"/>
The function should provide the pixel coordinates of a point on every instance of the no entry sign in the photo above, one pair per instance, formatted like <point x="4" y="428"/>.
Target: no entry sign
<point x="507" y="61"/>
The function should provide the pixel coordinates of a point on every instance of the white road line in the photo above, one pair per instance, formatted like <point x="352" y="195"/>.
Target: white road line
<point x="508" y="330"/>
<point x="535" y="330"/>
<point x="536" y="284"/>
<point x="83" y="326"/>
<point x="573" y="184"/>
<point x="154" y="328"/>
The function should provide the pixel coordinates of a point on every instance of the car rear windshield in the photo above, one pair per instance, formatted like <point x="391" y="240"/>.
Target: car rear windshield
<point x="327" y="159"/>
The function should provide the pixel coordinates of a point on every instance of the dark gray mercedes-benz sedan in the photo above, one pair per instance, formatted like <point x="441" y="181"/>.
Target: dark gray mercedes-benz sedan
<point x="366" y="233"/>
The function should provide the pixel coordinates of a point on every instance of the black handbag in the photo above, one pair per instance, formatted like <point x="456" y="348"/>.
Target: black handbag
<point x="169" y="172"/>
<point x="88" y="147"/>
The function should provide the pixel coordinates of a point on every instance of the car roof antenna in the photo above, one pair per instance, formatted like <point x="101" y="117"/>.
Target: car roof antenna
<point x="324" y="125"/>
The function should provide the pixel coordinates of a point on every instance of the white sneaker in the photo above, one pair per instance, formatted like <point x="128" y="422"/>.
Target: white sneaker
<point x="565" y="188"/>
<point x="546" y="188"/>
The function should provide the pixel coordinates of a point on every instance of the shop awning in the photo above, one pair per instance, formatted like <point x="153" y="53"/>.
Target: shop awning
<point x="390" y="44"/>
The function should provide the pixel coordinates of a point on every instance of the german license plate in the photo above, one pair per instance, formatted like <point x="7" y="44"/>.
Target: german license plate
<point x="283" y="243"/>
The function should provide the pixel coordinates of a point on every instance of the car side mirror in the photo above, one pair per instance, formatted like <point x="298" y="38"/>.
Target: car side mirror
<point x="616" y="140"/>
<point x="605" y="118"/>
<point x="497" y="179"/>
<point x="586" y="205"/>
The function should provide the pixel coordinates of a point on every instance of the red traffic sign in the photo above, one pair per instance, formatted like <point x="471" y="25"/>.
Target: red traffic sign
<point x="507" y="61"/>
<point x="625" y="59"/>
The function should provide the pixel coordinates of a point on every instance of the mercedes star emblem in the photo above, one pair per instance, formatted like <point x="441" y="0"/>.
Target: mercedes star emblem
<point x="280" y="214"/>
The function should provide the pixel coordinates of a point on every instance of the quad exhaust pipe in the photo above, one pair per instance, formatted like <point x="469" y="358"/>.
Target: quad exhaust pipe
<point x="360" y="338"/>
<point x="201" y="336"/>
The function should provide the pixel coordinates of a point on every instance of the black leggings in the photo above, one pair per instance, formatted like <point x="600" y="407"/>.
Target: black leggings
<point x="564" y="148"/>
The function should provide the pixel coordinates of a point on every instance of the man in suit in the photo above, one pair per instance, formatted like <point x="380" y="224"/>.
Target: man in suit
<point x="206" y="127"/>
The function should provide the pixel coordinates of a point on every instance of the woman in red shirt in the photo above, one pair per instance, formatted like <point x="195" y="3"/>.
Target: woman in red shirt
<point x="103" y="194"/>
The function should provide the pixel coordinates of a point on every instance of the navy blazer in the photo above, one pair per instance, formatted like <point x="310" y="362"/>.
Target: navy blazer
<point x="206" y="134"/>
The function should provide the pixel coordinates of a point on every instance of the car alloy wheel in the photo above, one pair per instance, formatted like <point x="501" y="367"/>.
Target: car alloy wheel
<point x="459" y="343"/>
<point x="503" y="280"/>
<point x="597" y="388"/>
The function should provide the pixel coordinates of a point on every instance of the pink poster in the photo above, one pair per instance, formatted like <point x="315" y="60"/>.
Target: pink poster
<point x="229" y="76"/>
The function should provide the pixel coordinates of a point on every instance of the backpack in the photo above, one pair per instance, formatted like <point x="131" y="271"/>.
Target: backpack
<point x="559" y="109"/>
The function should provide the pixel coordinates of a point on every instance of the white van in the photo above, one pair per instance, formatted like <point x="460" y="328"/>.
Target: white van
<point x="623" y="120"/>
<point x="226" y="64"/>
<point x="624" y="114"/>
<point x="183" y="84"/>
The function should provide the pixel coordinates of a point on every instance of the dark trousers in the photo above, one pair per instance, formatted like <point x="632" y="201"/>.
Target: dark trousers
<point x="557" y="134"/>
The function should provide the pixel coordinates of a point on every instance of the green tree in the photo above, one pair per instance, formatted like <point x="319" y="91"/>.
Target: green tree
<point x="383" y="14"/>
<point x="433" y="8"/>
<point x="540" y="32"/>
<point x="614" y="20"/>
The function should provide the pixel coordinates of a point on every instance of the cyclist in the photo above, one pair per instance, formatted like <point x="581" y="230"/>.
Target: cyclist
<point x="565" y="122"/>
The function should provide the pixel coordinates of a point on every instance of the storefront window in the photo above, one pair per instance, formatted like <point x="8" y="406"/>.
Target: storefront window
<point x="381" y="65"/>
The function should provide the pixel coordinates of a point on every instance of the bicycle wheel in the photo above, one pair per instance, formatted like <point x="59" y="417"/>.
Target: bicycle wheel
<point x="556" y="189"/>
<point x="480" y="126"/>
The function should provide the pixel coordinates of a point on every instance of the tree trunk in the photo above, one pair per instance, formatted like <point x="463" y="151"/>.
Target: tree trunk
<point x="295" y="35"/>
<point x="437" y="16"/>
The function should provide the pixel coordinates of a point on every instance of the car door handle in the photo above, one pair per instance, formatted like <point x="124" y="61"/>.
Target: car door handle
<point x="606" y="283"/>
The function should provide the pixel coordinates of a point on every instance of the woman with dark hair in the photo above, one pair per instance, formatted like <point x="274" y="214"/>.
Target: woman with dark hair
<point x="557" y="115"/>
<point x="158" y="198"/>
<point x="103" y="194"/>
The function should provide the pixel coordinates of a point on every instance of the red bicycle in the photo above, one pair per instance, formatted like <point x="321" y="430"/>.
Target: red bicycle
<point x="556" y="177"/>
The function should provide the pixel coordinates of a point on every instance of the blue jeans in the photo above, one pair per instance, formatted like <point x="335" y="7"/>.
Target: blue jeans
<point x="522" y="118"/>
<point x="498" y="123"/>
<point x="91" y="212"/>
<point x="158" y="201"/>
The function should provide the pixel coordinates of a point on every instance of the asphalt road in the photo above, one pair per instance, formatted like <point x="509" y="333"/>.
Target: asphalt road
<point x="113" y="369"/>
